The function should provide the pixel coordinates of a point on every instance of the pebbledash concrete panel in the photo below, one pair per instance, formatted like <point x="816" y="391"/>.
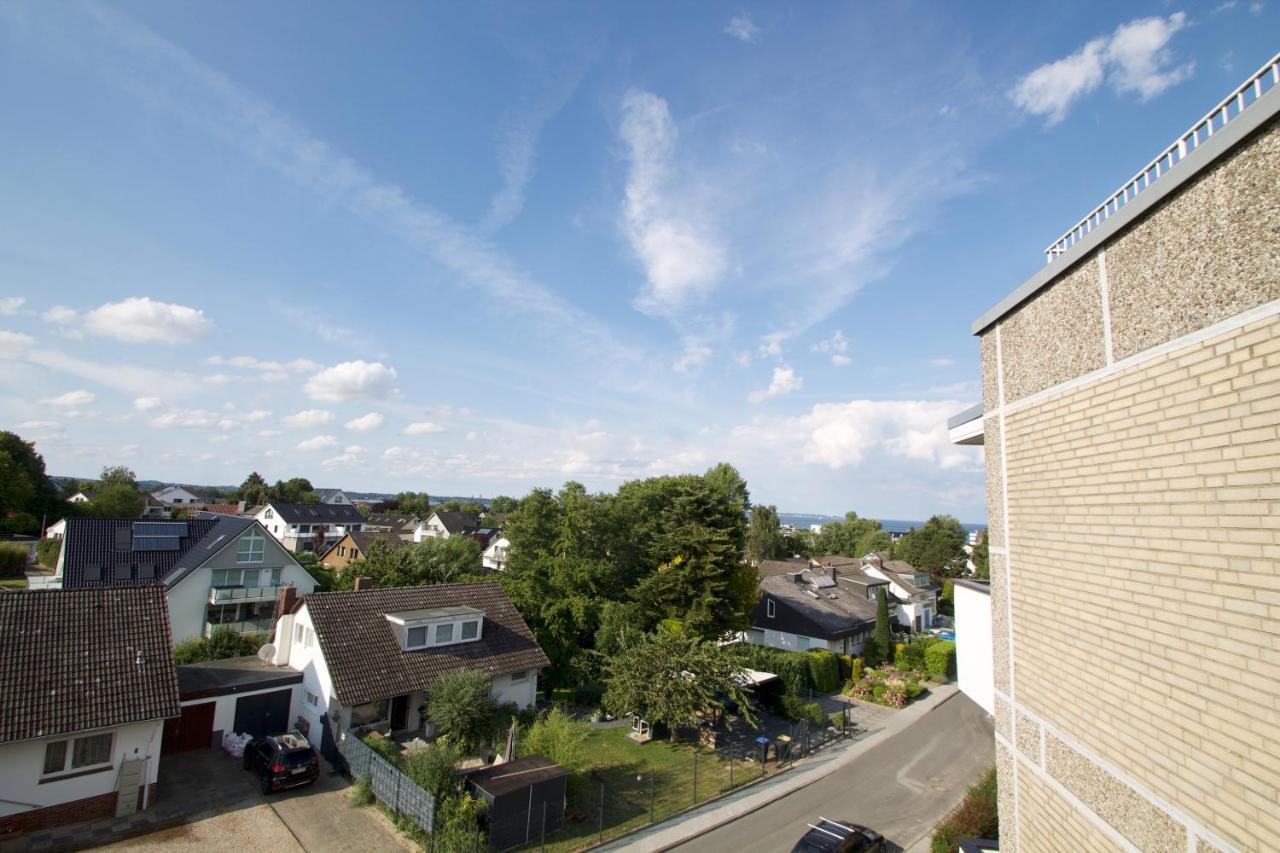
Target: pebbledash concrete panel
<point x="990" y="379"/>
<point x="1149" y="828"/>
<point x="1005" y="786"/>
<point x="1055" y="336"/>
<point x="1049" y="821"/>
<point x="1028" y="738"/>
<point x="1003" y="718"/>
<point x="1206" y="254"/>
<point x="995" y="476"/>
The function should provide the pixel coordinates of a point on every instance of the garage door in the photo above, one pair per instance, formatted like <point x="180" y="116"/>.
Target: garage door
<point x="193" y="730"/>
<point x="263" y="714"/>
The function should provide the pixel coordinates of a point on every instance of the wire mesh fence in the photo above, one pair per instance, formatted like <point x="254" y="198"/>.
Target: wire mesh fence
<point x="388" y="783"/>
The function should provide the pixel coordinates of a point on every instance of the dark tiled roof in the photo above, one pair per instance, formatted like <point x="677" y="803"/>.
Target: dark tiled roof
<point x="364" y="538"/>
<point x="70" y="660"/>
<point x="94" y="541"/>
<point x="366" y="662"/>
<point x="836" y="612"/>
<point x="392" y="521"/>
<point x="770" y="568"/>
<point x="343" y="514"/>
<point x="225" y="528"/>
<point x="458" y="522"/>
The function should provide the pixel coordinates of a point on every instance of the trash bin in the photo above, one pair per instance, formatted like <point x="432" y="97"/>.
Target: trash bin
<point x="762" y="749"/>
<point x="782" y="751"/>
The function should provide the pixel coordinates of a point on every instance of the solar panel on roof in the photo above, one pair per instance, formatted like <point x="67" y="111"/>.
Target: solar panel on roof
<point x="155" y="543"/>
<point x="160" y="528"/>
<point x="93" y="572"/>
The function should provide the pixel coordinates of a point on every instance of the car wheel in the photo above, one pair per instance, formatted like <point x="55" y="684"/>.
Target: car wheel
<point x="265" y="785"/>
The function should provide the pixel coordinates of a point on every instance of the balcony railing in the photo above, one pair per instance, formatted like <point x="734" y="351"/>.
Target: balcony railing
<point x="247" y="626"/>
<point x="231" y="594"/>
<point x="1264" y="79"/>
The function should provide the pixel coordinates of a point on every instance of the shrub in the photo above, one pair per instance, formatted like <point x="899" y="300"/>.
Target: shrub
<point x="895" y="694"/>
<point x="977" y="816"/>
<point x="361" y="792"/>
<point x="940" y="659"/>
<point x="792" y="668"/>
<point x="913" y="689"/>
<point x="559" y="737"/>
<point x="460" y="704"/>
<point x="846" y="666"/>
<point x="383" y="746"/>
<point x="857" y="669"/>
<point x="793" y="707"/>
<point x="877" y="692"/>
<point x="47" y="551"/>
<point x="824" y="671"/>
<point x="813" y="714"/>
<point x="456" y="823"/>
<point x="13" y="560"/>
<point x="21" y="522"/>
<point x="588" y="694"/>
<point x="191" y="651"/>
<point x="225" y="643"/>
<point x="434" y="769"/>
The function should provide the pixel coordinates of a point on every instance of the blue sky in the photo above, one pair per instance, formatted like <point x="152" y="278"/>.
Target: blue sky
<point x="473" y="249"/>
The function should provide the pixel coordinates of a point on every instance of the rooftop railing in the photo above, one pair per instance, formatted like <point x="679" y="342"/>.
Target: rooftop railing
<point x="1264" y="79"/>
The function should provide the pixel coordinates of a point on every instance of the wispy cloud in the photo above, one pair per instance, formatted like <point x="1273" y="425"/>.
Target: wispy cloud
<point x="743" y="28"/>
<point x="784" y="381"/>
<point x="10" y="305"/>
<point x="71" y="398"/>
<point x="835" y="346"/>
<point x="1133" y="59"/>
<point x="682" y="259"/>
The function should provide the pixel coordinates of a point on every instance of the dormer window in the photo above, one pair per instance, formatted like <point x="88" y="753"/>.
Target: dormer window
<point x="770" y="608"/>
<point x="441" y="626"/>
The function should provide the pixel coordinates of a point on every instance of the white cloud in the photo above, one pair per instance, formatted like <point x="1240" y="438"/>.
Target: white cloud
<point x="695" y="355"/>
<point x="1135" y="58"/>
<point x="59" y="314"/>
<point x="771" y="345"/>
<point x="146" y="404"/>
<point x="257" y="415"/>
<point x="784" y="382"/>
<point x="14" y="345"/>
<point x="271" y="369"/>
<point x="841" y="360"/>
<point x="682" y="259"/>
<point x="143" y="320"/>
<point x="836" y="346"/>
<point x="71" y="398"/>
<point x="352" y="380"/>
<point x="9" y="305"/>
<point x="743" y="29"/>
<point x="422" y="428"/>
<point x="308" y="418"/>
<point x="187" y="419"/>
<point x="942" y="361"/>
<point x="319" y="442"/>
<point x="40" y="426"/>
<point x="365" y="423"/>
<point x="269" y="433"/>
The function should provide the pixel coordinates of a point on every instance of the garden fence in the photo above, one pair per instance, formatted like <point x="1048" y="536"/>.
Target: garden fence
<point x="388" y="783"/>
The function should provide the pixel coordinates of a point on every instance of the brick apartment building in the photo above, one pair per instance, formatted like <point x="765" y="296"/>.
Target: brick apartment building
<point x="1130" y="414"/>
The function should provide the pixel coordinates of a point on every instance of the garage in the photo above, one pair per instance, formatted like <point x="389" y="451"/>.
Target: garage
<point x="235" y="695"/>
<point x="263" y="713"/>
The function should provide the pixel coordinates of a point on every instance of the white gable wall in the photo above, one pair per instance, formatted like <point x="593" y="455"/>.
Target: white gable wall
<point x="974" y="647"/>
<point x="306" y="657"/>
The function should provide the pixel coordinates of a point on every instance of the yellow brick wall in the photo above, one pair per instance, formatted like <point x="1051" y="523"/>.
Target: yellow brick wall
<point x="1144" y="536"/>
<point x="1048" y="822"/>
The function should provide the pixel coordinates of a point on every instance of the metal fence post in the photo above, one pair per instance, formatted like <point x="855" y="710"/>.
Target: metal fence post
<point x="731" y="759"/>
<point x="695" y="778"/>
<point x="542" y="841"/>
<point x="602" y="812"/>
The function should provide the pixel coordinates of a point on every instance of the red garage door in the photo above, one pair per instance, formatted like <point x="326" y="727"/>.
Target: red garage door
<point x="193" y="730"/>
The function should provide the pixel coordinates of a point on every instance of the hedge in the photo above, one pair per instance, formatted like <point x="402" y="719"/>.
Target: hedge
<point x="824" y="671"/>
<point x="13" y="560"/>
<point x="940" y="659"/>
<point x="977" y="816"/>
<point x="792" y="668"/>
<point x="47" y="551"/>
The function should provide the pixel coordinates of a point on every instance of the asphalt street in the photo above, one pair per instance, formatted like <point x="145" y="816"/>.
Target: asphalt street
<point x="901" y="788"/>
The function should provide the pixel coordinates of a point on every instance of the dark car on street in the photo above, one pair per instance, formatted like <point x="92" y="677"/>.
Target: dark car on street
<point x="282" y="761"/>
<point x="839" y="836"/>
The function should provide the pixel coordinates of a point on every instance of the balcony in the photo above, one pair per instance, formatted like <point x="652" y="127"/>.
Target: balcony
<point x="235" y="594"/>
<point x="248" y="626"/>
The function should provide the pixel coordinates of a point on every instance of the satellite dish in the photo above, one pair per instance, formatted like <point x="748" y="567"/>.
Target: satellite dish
<point x="267" y="653"/>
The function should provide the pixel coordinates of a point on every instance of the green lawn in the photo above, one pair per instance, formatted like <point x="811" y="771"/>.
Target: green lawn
<point x="626" y="769"/>
<point x="13" y="583"/>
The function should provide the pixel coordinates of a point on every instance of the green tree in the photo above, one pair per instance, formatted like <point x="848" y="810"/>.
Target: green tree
<point x="16" y="488"/>
<point x="117" y="500"/>
<point x="981" y="558"/>
<point x="21" y="522"/>
<point x="937" y="547"/>
<point x="461" y="705"/>
<point x="296" y="490"/>
<point x="852" y="537"/>
<point x="118" y="475"/>
<point x="254" y="490"/>
<point x="503" y="504"/>
<point x="413" y="503"/>
<point x="24" y="485"/>
<point x="559" y="737"/>
<point x="435" y="769"/>
<point x="764" y="534"/>
<point x="670" y="678"/>
<point x="426" y="562"/>
<point x="880" y="648"/>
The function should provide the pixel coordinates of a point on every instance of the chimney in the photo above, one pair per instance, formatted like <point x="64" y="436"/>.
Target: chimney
<point x="363" y="583"/>
<point x="240" y="506"/>
<point x="287" y="597"/>
<point x="833" y="574"/>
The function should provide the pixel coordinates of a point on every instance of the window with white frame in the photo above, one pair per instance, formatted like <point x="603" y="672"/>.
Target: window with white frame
<point x="250" y="548"/>
<point x="470" y="630"/>
<point x="298" y="632"/>
<point x="342" y="550"/>
<point x="269" y="513"/>
<point x="86" y="753"/>
<point x="246" y="577"/>
<point x="416" y="637"/>
<point x="444" y="633"/>
<point x="313" y="700"/>
<point x="770" y="608"/>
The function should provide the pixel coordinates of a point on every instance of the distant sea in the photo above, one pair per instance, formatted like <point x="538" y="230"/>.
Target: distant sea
<point x="893" y="525"/>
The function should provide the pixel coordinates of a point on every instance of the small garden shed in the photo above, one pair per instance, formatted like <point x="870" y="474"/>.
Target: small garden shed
<point x="520" y="796"/>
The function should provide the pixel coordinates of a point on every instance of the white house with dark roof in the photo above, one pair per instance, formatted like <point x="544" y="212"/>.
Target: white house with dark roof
<point x="370" y="656"/>
<point x="442" y="525"/>
<point x="309" y="528"/>
<point x="914" y="589"/>
<point x="810" y="609"/>
<point x="175" y="496"/>
<point x="220" y="572"/>
<point x="332" y="496"/>
<point x="86" y="683"/>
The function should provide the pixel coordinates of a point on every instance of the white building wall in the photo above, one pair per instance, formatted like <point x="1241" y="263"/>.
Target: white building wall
<point x="522" y="693"/>
<point x="315" y="674"/>
<point x="23" y="765"/>
<point x="224" y="711"/>
<point x="973" y="646"/>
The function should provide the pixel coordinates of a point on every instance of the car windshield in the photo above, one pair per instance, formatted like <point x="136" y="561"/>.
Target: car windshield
<point x="295" y="757"/>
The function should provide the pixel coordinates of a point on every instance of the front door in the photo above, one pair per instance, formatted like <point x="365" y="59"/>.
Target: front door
<point x="399" y="713"/>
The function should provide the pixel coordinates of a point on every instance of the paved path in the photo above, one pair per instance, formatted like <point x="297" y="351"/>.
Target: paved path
<point x="900" y="782"/>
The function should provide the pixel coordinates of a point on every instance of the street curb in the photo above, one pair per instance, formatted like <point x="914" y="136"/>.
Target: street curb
<point x="832" y="762"/>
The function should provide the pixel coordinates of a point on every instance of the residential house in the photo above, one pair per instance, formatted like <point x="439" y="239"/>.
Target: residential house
<point x="495" y="555"/>
<point x="1129" y="422"/>
<point x="217" y="572"/>
<point x="175" y="496"/>
<point x="415" y="635"/>
<point x="154" y="509"/>
<point x="809" y="609"/>
<point x="915" y="591"/>
<point x="442" y="525"/>
<point x="332" y="496"/>
<point x="79" y="498"/>
<point x="972" y="600"/>
<point x="86" y="683"/>
<point x="309" y="527"/>
<point x="401" y="524"/>
<point x="237" y="508"/>
<point x="355" y="546"/>
<point x="56" y="530"/>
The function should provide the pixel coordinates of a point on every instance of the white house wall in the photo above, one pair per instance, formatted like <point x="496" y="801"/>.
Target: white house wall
<point x="315" y="676"/>
<point x="23" y="763"/>
<point x="224" y="710"/>
<point x="973" y="646"/>
<point x="522" y="693"/>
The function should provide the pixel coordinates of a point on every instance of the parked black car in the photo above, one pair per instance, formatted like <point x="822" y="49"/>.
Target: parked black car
<point x="839" y="836"/>
<point x="282" y="761"/>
